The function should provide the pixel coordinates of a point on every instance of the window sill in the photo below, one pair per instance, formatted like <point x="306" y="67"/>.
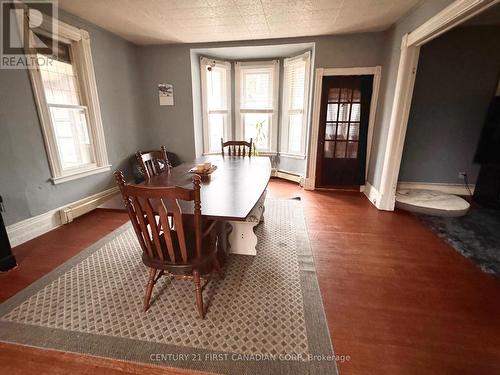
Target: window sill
<point x="80" y="174"/>
<point x="292" y="156"/>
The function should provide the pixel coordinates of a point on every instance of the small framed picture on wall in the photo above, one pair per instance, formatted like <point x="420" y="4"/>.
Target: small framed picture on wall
<point x="166" y="93"/>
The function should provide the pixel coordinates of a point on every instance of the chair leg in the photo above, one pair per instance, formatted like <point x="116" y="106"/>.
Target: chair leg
<point x="218" y="268"/>
<point x="198" y="293"/>
<point x="149" y="288"/>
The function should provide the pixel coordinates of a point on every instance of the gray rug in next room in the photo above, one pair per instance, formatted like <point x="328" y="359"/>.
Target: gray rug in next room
<point x="475" y="235"/>
<point x="265" y="317"/>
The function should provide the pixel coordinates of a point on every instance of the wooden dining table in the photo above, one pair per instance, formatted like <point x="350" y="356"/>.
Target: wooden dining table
<point x="234" y="193"/>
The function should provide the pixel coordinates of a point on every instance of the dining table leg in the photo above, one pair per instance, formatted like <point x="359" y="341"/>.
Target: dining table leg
<point x="222" y="243"/>
<point x="243" y="239"/>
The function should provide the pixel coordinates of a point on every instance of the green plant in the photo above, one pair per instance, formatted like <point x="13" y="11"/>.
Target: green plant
<point x="260" y="136"/>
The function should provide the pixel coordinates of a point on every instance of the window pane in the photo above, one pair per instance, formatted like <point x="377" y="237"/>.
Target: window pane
<point x="256" y="126"/>
<point x="344" y="112"/>
<point x="331" y="113"/>
<point x="342" y="131"/>
<point x="216" y="89"/>
<point x="257" y="89"/>
<point x="297" y="78"/>
<point x="72" y="136"/>
<point x="333" y="94"/>
<point x="345" y="95"/>
<point x="215" y="131"/>
<point x="355" y="112"/>
<point x="60" y="83"/>
<point x="295" y="133"/>
<point x="330" y="131"/>
<point x="354" y="131"/>
<point x="340" y="148"/>
<point x="352" y="150"/>
<point x="356" y="95"/>
<point x="328" y="149"/>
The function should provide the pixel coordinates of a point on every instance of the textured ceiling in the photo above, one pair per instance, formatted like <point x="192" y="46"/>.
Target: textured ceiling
<point x="189" y="21"/>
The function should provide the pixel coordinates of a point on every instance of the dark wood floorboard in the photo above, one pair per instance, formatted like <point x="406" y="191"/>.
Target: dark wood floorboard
<point x="398" y="299"/>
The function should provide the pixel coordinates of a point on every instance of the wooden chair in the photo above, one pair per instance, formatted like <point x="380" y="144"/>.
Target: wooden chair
<point x="180" y="246"/>
<point x="152" y="163"/>
<point x="237" y="148"/>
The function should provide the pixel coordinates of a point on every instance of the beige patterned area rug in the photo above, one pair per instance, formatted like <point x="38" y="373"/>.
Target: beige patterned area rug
<point x="265" y="317"/>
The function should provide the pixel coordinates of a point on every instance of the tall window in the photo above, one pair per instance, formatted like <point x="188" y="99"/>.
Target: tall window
<point x="216" y="89"/>
<point x="68" y="115"/>
<point x="294" y="107"/>
<point x="256" y="102"/>
<point x="66" y="96"/>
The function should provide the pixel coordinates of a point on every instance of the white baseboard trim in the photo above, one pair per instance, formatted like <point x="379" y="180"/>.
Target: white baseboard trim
<point x="35" y="226"/>
<point x="287" y="176"/>
<point x="457" y="189"/>
<point x="372" y="194"/>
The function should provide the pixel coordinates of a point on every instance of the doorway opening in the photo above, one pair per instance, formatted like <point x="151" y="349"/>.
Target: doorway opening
<point x="344" y="112"/>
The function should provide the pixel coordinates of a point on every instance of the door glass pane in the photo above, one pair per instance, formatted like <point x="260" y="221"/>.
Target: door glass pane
<point x="340" y="150"/>
<point x="330" y="131"/>
<point x="333" y="94"/>
<point x="345" y="95"/>
<point x="215" y="131"/>
<point x="352" y="150"/>
<point x="356" y="95"/>
<point x="344" y="112"/>
<point x="354" y="131"/>
<point x="72" y="136"/>
<point x="342" y="131"/>
<point x="256" y="126"/>
<point x="355" y="112"/>
<point x="331" y="113"/>
<point x="328" y="149"/>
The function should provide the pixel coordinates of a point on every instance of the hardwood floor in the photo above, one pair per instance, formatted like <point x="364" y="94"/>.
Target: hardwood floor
<point x="397" y="298"/>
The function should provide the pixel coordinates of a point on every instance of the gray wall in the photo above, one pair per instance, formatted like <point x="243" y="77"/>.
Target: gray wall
<point x="456" y="80"/>
<point x="390" y="64"/>
<point x="173" y="126"/>
<point x="25" y="177"/>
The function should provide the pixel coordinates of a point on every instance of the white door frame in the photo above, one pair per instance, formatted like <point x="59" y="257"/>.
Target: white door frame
<point x="454" y="14"/>
<point x="376" y="71"/>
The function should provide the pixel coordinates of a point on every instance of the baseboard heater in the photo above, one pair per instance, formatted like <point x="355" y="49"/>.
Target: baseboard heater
<point x="287" y="176"/>
<point x="71" y="212"/>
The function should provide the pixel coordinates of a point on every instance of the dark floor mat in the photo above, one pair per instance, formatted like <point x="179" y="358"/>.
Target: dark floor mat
<point x="475" y="235"/>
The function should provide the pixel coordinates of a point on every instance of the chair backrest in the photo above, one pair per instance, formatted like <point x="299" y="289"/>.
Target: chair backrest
<point x="149" y="209"/>
<point x="236" y="148"/>
<point x="152" y="163"/>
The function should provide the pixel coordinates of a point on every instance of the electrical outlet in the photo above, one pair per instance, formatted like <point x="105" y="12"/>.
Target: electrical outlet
<point x="461" y="175"/>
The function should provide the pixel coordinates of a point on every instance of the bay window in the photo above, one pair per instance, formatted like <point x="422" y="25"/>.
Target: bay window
<point x="256" y="102"/>
<point x="216" y="98"/>
<point x="294" y="105"/>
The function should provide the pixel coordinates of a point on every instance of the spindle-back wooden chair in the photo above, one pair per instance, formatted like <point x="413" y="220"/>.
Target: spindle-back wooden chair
<point x="172" y="243"/>
<point x="237" y="148"/>
<point x="152" y="163"/>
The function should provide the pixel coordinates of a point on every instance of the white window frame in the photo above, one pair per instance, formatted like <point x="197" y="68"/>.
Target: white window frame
<point x="285" y="111"/>
<point x="79" y="42"/>
<point x="204" y="63"/>
<point x="240" y="132"/>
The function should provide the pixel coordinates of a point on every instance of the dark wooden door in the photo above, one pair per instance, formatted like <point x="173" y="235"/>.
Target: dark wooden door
<point x="343" y="131"/>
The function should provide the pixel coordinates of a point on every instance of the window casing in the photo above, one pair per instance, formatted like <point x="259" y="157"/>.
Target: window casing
<point x="216" y="103"/>
<point x="67" y="101"/>
<point x="256" y="103"/>
<point x="293" y="130"/>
